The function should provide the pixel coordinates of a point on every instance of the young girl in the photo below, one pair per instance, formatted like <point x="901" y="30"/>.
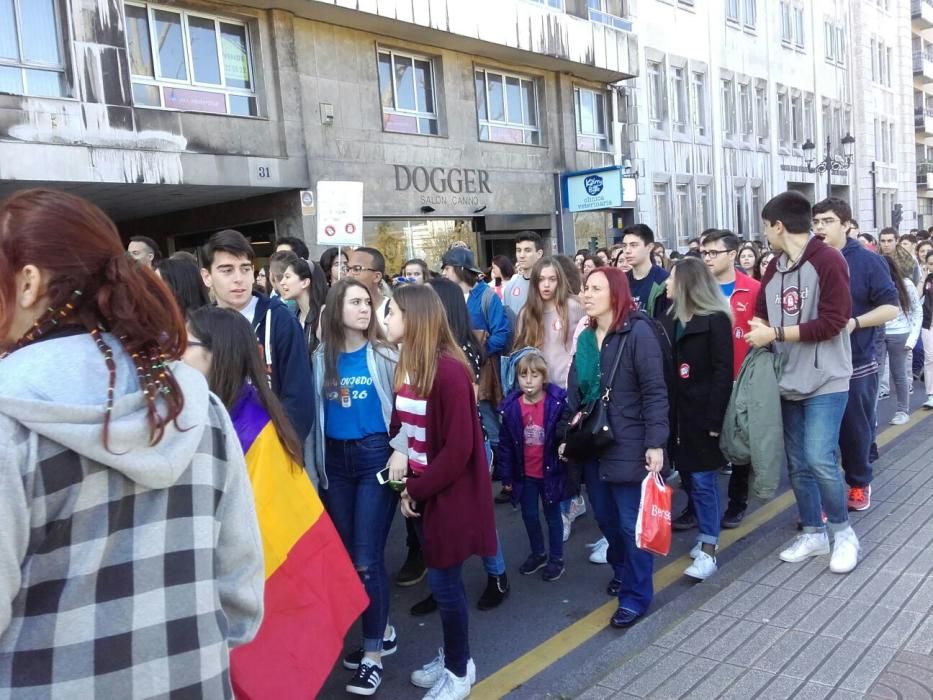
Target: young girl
<point x="901" y="334"/>
<point x="307" y="287"/>
<point x="447" y="487"/>
<point x="529" y="463"/>
<point x="354" y="370"/>
<point x="702" y="335"/>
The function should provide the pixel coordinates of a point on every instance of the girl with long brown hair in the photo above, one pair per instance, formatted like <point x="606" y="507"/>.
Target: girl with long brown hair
<point x="447" y="487"/>
<point x="120" y="474"/>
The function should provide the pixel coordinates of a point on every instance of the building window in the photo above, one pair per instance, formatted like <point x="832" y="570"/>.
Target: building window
<point x="796" y="112"/>
<point x="593" y="119"/>
<point x="685" y="221"/>
<point x="761" y="112"/>
<point x="747" y="120"/>
<point x="888" y="60"/>
<point x="186" y="61"/>
<point x="892" y="138"/>
<point x="741" y="219"/>
<point x="787" y="28"/>
<point x="784" y="123"/>
<point x="829" y="39"/>
<point x="699" y="103"/>
<point x="680" y="102"/>
<point x="406" y="84"/>
<point x="732" y="10"/>
<point x="808" y="118"/>
<point x="840" y="46"/>
<point x="661" y="198"/>
<point x="704" y="207"/>
<point x="798" y="27"/>
<point x="556" y="4"/>
<point x="657" y="99"/>
<point x="31" y="53"/>
<point x="507" y="108"/>
<point x="874" y="61"/>
<point x="754" y="217"/>
<point x="751" y="13"/>
<point x="728" y="106"/>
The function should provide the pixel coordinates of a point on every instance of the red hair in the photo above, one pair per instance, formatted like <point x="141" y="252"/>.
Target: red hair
<point x="620" y="294"/>
<point x="91" y="283"/>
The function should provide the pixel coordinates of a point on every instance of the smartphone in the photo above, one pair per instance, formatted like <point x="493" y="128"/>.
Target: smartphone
<point x="382" y="477"/>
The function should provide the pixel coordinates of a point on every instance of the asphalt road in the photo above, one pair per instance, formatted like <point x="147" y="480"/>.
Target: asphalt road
<point x="536" y="610"/>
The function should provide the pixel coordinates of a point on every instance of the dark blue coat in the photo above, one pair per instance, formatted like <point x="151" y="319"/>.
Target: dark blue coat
<point x="510" y="454"/>
<point x="638" y="407"/>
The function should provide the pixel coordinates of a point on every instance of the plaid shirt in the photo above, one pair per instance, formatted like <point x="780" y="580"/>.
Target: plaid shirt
<point x="121" y="590"/>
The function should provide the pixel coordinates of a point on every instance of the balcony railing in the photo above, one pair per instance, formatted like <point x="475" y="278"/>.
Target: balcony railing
<point x="921" y="114"/>
<point x="619" y="23"/>
<point x="916" y="6"/>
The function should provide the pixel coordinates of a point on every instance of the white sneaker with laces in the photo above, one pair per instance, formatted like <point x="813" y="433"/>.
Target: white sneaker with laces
<point x="428" y="675"/>
<point x="900" y="418"/>
<point x="599" y="551"/>
<point x="703" y="567"/>
<point x="567" y="524"/>
<point x="697" y="548"/>
<point x="929" y="401"/>
<point x="845" y="551"/>
<point x="577" y="507"/>
<point x="450" y="687"/>
<point x="809" y="544"/>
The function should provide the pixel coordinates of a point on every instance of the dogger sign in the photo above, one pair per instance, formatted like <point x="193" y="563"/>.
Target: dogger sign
<point x="339" y="213"/>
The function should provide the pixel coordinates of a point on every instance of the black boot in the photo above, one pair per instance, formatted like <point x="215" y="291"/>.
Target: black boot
<point x="424" y="607"/>
<point x="497" y="590"/>
<point x="413" y="570"/>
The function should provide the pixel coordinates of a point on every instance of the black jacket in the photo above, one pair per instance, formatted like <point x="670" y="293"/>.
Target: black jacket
<point x="702" y="387"/>
<point x="638" y="408"/>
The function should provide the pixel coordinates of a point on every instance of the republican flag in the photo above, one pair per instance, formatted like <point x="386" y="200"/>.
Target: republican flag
<point x="313" y="593"/>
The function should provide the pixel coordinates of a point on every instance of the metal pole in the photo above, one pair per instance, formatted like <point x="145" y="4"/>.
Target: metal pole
<point x="829" y="170"/>
<point x="874" y="197"/>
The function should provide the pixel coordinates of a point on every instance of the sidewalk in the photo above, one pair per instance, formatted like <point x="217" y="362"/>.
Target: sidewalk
<point x="799" y="631"/>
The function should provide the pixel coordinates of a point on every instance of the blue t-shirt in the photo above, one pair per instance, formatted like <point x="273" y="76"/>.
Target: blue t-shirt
<point x="353" y="410"/>
<point x="727" y="289"/>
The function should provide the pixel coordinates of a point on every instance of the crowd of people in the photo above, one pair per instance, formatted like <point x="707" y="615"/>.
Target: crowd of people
<point x="132" y="385"/>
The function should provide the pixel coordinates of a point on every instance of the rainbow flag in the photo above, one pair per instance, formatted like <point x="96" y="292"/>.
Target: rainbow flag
<point x="313" y="593"/>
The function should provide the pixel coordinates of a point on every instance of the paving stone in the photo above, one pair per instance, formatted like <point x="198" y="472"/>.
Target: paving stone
<point x="679" y="685"/>
<point x="866" y="671"/>
<point x="873" y="592"/>
<point x="923" y="564"/>
<point x="922" y="599"/>
<point x="898" y="594"/>
<point x="846" y="695"/>
<point x="757" y="644"/>
<point x="804" y="576"/>
<point x="812" y="691"/>
<point x="772" y="605"/>
<point x="635" y="666"/>
<point x="760" y="568"/>
<point x="685" y="628"/>
<point x="839" y="662"/>
<point x="748" y="685"/>
<point x="810" y="657"/>
<point x="820" y="615"/>
<point x="708" y="631"/>
<point x="715" y="683"/>
<point x="871" y="624"/>
<point x="799" y="607"/>
<point x="780" y="688"/>
<point x="748" y="601"/>
<point x="731" y="640"/>
<point x="849" y="584"/>
<point x="875" y="556"/>
<point x="900" y="629"/>
<point x="665" y="666"/>
<point x="843" y="621"/>
<point x="922" y="640"/>
<point x="597" y="692"/>
<point x="725" y="597"/>
<point x="781" y="652"/>
<point x="900" y="560"/>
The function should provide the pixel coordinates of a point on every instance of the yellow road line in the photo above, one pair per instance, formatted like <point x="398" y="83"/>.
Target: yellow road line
<point x="533" y="662"/>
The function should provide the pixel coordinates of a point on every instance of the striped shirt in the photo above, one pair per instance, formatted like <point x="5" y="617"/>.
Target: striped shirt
<point x="412" y="411"/>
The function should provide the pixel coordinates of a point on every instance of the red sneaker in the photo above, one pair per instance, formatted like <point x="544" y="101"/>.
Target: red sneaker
<point x="859" y="497"/>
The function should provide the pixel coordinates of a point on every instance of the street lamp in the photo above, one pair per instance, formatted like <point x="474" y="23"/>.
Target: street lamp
<point x="831" y="163"/>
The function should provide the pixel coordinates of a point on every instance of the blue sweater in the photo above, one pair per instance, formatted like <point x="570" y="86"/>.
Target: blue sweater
<point x="497" y="324"/>
<point x="871" y="286"/>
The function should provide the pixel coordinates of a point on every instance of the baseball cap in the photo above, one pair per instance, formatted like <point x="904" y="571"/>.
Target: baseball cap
<point x="460" y="257"/>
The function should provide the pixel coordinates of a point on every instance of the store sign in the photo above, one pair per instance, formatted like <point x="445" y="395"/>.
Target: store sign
<point x="443" y="186"/>
<point x="598" y="190"/>
<point x="340" y="213"/>
<point x="195" y="100"/>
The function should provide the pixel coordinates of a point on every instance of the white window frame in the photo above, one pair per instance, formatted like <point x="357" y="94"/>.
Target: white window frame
<point x="729" y="109"/>
<point x="524" y="128"/>
<point x="683" y="219"/>
<point x="657" y="95"/>
<point x="416" y="114"/>
<point x="829" y="39"/>
<point x="785" y="135"/>
<point x="762" y="114"/>
<point x="664" y="217"/>
<point x="705" y="215"/>
<point x="700" y="101"/>
<point x="841" y="46"/>
<point x="799" y="24"/>
<point x="23" y="65"/>
<point x="740" y="206"/>
<point x="750" y="20"/>
<point x="786" y="24"/>
<point x="733" y="10"/>
<point x="191" y="83"/>
<point x="557" y="5"/>
<point x="607" y="119"/>
<point x="746" y="109"/>
<point x="680" y="99"/>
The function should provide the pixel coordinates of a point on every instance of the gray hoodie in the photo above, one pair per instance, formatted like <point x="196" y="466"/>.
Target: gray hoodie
<point x="128" y="571"/>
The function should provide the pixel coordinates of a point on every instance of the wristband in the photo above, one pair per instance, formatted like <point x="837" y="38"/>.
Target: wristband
<point x="858" y="326"/>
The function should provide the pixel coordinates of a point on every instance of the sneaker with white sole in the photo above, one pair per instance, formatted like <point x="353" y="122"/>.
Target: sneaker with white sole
<point x="845" y="551"/>
<point x="428" y="675"/>
<point x="450" y="687"/>
<point x="702" y="568"/>
<point x="900" y="418"/>
<point x="567" y="524"/>
<point x="697" y="548"/>
<point x="389" y="646"/>
<point x="599" y="550"/>
<point x="367" y="678"/>
<point x="806" y="545"/>
<point x="929" y="402"/>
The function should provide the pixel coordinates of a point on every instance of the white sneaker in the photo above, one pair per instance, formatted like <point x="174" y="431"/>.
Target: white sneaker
<point x="567" y="525"/>
<point x="697" y="548"/>
<point x="900" y="418"/>
<point x="929" y="401"/>
<point x="577" y="507"/>
<point x="703" y="567"/>
<point x="599" y="551"/>
<point x="450" y="687"/>
<point x="809" y="544"/>
<point x="428" y="675"/>
<point x="845" y="551"/>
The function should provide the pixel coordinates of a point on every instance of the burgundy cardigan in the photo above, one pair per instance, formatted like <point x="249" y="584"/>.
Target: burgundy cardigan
<point x="454" y="493"/>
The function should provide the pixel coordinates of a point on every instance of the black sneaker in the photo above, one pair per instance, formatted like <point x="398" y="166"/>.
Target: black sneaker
<point x="505" y="495"/>
<point x="424" y="607"/>
<point x="873" y="453"/>
<point x="553" y="571"/>
<point x="685" y="521"/>
<point x="497" y="590"/>
<point x="389" y="646"/>
<point x="532" y="564"/>
<point x="732" y="518"/>
<point x="726" y="470"/>
<point x="366" y="680"/>
<point x="413" y="570"/>
<point x="615" y="585"/>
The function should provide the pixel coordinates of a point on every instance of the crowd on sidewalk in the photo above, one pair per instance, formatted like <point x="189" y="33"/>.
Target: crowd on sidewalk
<point x="189" y="443"/>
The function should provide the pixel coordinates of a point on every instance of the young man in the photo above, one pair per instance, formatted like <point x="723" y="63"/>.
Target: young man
<point x="646" y="279"/>
<point x="228" y="273"/>
<point x="144" y="250"/>
<point x="874" y="301"/>
<point x="528" y="251"/>
<point x="295" y="245"/>
<point x="368" y="266"/>
<point x="803" y="308"/>
<point x="719" y="251"/>
<point x="887" y="241"/>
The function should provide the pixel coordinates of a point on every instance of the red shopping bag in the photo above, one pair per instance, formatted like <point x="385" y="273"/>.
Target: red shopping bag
<point x="653" y="527"/>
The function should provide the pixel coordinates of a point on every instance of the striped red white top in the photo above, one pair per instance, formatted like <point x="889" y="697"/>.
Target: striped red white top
<point x="412" y="411"/>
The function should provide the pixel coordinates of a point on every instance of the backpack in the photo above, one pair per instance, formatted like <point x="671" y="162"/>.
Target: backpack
<point x="667" y="350"/>
<point x="486" y="304"/>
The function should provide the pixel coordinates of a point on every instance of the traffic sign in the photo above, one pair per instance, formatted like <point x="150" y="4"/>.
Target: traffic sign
<point x="339" y="213"/>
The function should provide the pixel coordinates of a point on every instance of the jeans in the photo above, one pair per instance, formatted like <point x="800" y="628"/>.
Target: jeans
<point x="811" y="435"/>
<point x="685" y="484"/>
<point x="928" y="360"/>
<point x="637" y="586"/>
<point x="532" y="492"/>
<point x="495" y="565"/>
<point x="738" y="486"/>
<point x="704" y="494"/>
<point x="490" y="419"/>
<point x="447" y="588"/>
<point x="362" y="511"/>
<point x="895" y="349"/>
<point x="858" y="428"/>
<point x="606" y="515"/>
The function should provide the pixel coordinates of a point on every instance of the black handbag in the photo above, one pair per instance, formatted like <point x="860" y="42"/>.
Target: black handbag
<point x="589" y="433"/>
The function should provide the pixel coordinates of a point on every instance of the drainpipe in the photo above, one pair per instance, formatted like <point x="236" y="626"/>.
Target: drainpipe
<point x="874" y="196"/>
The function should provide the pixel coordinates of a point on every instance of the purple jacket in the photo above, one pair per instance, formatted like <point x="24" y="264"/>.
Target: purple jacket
<point x="510" y="454"/>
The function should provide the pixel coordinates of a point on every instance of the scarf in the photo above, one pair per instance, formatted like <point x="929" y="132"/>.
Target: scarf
<point x="587" y="363"/>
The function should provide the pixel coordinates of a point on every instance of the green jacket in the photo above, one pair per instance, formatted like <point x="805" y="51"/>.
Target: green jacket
<point x="753" y="431"/>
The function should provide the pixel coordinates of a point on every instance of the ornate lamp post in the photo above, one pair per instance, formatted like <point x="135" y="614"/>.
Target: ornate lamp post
<point x="831" y="163"/>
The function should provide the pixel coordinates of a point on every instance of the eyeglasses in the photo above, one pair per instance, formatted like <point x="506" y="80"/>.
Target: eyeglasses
<point x="712" y="253"/>
<point x="359" y="268"/>
<point x="196" y="344"/>
<point x="825" y="222"/>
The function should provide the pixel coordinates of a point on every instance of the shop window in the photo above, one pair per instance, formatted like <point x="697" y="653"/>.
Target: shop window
<point x="192" y="62"/>
<point x="590" y="229"/>
<point x="507" y="108"/>
<point x="401" y="239"/>
<point x="31" y="53"/>
<point x="593" y="119"/>
<point x="406" y="83"/>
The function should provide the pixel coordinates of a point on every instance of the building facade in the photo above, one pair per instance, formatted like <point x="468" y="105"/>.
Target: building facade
<point x="921" y="24"/>
<point x="187" y="117"/>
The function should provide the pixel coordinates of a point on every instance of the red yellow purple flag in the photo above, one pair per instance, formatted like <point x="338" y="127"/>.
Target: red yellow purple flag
<point x="313" y="593"/>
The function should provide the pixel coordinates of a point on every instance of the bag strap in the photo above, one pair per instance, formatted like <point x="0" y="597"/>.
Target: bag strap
<point x="268" y="346"/>
<point x="615" y="366"/>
